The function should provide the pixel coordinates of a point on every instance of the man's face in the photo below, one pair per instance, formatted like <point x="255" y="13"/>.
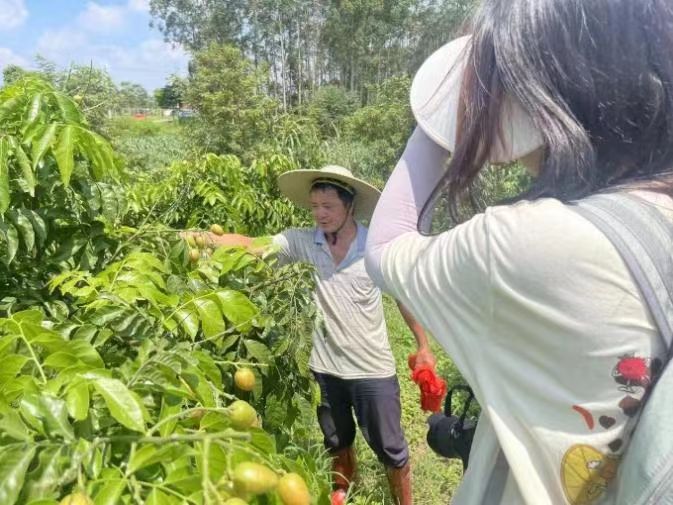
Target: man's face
<point x="329" y="212"/>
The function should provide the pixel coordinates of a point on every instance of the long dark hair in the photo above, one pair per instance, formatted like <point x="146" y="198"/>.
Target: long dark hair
<point x="596" y="78"/>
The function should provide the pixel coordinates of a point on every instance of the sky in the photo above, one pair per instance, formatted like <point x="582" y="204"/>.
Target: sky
<point x="113" y="34"/>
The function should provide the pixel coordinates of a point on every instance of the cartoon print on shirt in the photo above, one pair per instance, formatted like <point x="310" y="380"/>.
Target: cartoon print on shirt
<point x="632" y="372"/>
<point x="586" y="473"/>
<point x="586" y="415"/>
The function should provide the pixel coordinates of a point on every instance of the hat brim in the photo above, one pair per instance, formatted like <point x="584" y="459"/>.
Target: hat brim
<point x="435" y="98"/>
<point x="296" y="186"/>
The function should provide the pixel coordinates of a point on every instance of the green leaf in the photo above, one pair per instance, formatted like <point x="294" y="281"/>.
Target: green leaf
<point x="39" y="226"/>
<point x="50" y="411"/>
<point x="26" y="168"/>
<point x="151" y="454"/>
<point x="40" y="147"/>
<point x="10" y="107"/>
<point x="211" y="317"/>
<point x="157" y="497"/>
<point x="257" y="350"/>
<point x="69" y="111"/>
<point x="188" y="320"/>
<point x="11" y="366"/>
<point x="65" y="152"/>
<point x="110" y="492"/>
<point x="24" y="225"/>
<point x="169" y="407"/>
<point x="14" y="461"/>
<point x="34" y="109"/>
<point x="45" y="477"/>
<point x="121" y="403"/>
<point x="11" y="423"/>
<point x="237" y="307"/>
<point x="8" y="231"/>
<point x="77" y="400"/>
<point x="263" y="441"/>
<point x="4" y="175"/>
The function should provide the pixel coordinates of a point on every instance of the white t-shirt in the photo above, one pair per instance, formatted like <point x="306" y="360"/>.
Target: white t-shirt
<point x="541" y="316"/>
<point x="351" y="340"/>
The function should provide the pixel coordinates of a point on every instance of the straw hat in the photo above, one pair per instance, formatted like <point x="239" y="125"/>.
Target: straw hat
<point x="435" y="95"/>
<point x="296" y="185"/>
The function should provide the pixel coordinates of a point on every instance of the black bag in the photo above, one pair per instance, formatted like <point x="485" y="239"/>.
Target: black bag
<point x="451" y="436"/>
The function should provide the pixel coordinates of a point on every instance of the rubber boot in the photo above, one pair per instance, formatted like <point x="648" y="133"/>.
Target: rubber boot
<point x="400" y="484"/>
<point x="344" y="468"/>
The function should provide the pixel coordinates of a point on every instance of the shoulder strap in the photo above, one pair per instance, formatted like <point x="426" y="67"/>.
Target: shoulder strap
<point x="644" y="238"/>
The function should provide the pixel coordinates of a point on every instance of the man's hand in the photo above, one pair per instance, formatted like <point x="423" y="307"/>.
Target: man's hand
<point x="209" y="239"/>
<point x="424" y="356"/>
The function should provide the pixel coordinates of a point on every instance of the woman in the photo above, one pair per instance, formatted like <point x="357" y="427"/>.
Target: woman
<point x="531" y="301"/>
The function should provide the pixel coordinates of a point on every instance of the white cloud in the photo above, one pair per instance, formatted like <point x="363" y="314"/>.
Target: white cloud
<point x="9" y="57"/>
<point x="149" y="63"/>
<point x="102" y="18"/>
<point x="13" y="13"/>
<point x="57" y="45"/>
<point x="139" y="5"/>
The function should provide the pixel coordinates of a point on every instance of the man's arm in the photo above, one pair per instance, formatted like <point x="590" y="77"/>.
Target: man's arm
<point x="424" y="354"/>
<point x="210" y="239"/>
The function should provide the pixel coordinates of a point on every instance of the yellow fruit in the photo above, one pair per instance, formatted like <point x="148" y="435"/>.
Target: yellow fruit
<point x="200" y="241"/>
<point x="76" y="499"/>
<point x="242" y="415"/>
<point x="292" y="490"/>
<point x="254" y="478"/>
<point x="194" y="255"/>
<point x="244" y="379"/>
<point x="586" y="473"/>
<point x="217" y="229"/>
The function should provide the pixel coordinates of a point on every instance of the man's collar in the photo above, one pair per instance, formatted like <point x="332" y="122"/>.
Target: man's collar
<point x="361" y="236"/>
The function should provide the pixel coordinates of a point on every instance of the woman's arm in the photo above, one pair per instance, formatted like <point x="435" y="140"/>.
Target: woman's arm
<point x="415" y="176"/>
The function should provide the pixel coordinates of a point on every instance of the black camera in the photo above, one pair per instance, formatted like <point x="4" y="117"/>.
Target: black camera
<point x="449" y="435"/>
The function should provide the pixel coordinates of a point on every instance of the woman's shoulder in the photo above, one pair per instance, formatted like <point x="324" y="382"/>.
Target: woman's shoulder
<point x="544" y="234"/>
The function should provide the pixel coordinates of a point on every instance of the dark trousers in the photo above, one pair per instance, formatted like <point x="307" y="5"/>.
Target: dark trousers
<point x="376" y="404"/>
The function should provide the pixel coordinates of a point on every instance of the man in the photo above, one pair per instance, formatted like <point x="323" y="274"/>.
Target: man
<point x="351" y="357"/>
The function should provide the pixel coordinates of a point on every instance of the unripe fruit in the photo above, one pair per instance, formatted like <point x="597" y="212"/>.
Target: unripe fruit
<point x="190" y="241"/>
<point x="292" y="490"/>
<point x="194" y="255"/>
<point x="217" y="229"/>
<point x="242" y="415"/>
<point x="200" y="241"/>
<point x="254" y="478"/>
<point x="235" y="501"/>
<point x="77" y="98"/>
<point x="76" y="499"/>
<point x="245" y="379"/>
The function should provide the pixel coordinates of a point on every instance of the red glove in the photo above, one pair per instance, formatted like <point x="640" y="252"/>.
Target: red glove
<point x="432" y="388"/>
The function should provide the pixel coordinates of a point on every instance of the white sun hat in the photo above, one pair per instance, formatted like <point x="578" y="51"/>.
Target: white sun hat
<point x="296" y="185"/>
<point x="435" y="96"/>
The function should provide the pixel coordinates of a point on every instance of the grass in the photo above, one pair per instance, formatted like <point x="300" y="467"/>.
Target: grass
<point x="147" y="145"/>
<point x="434" y="478"/>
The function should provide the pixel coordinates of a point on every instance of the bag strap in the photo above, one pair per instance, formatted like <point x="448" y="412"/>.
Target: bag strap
<point x="644" y="238"/>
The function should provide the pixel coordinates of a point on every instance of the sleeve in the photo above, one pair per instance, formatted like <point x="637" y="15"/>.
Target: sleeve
<point x="415" y="176"/>
<point x="446" y="282"/>
<point x="287" y="247"/>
